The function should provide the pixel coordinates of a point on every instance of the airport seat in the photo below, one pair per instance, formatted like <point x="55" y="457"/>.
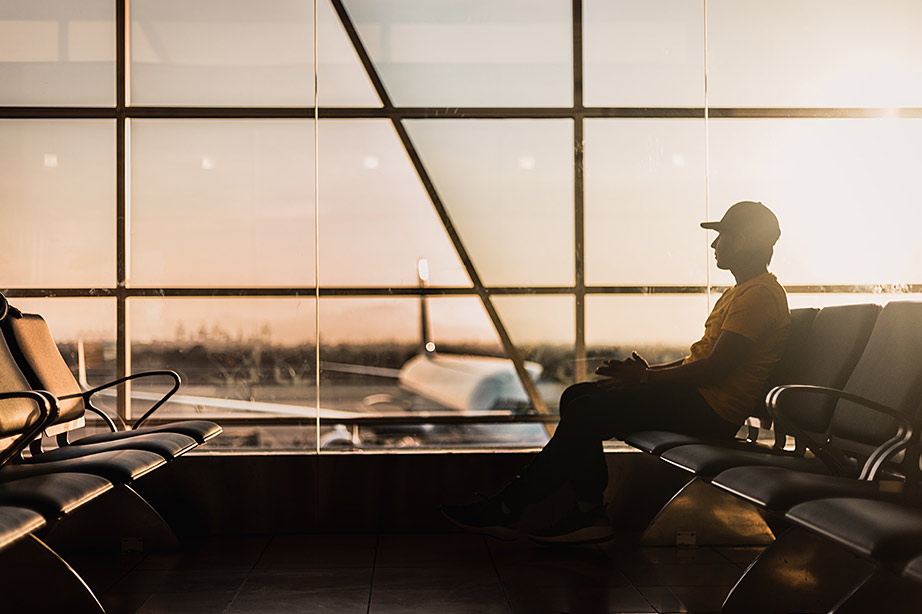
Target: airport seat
<point x="825" y="355"/>
<point x="841" y="331"/>
<point x="888" y="533"/>
<point x="34" y="349"/>
<point x="840" y="433"/>
<point x="26" y="413"/>
<point x="54" y="495"/>
<point x="17" y="523"/>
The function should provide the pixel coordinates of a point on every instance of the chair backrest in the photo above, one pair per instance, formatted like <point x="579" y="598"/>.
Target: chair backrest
<point x="32" y="346"/>
<point x="827" y="357"/>
<point x="16" y="415"/>
<point x="888" y="372"/>
<point x="801" y="321"/>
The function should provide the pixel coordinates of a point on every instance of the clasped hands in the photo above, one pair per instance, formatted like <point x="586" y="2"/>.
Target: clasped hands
<point x="619" y="374"/>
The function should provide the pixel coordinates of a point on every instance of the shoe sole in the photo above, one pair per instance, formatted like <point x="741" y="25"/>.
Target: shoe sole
<point x="501" y="533"/>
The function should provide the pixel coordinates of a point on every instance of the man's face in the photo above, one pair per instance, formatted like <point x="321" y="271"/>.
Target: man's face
<point x="728" y="246"/>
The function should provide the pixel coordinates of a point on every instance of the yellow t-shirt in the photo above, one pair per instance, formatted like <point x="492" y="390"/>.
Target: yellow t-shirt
<point x="758" y="310"/>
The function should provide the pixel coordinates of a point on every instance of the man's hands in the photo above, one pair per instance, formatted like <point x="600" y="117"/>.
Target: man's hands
<point x="625" y="373"/>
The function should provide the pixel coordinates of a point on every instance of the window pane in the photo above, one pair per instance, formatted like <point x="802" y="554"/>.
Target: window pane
<point x="660" y="327"/>
<point x="845" y="192"/>
<point x="372" y="363"/>
<point x="818" y="53"/>
<point x="475" y="53"/>
<point x="222" y="203"/>
<point x="240" y="53"/>
<point x="238" y="357"/>
<point x="57" y="52"/>
<point x="376" y="220"/>
<point x="57" y="186"/>
<point x="508" y="188"/>
<point x="644" y="199"/>
<point x="543" y="328"/>
<point x="648" y="53"/>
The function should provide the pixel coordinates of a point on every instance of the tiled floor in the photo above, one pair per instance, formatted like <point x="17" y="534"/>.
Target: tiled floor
<point x="445" y="573"/>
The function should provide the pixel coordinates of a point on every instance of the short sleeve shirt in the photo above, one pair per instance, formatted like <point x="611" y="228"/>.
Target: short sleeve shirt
<point x="758" y="310"/>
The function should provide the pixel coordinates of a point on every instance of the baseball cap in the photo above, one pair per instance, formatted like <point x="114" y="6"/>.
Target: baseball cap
<point x="750" y="218"/>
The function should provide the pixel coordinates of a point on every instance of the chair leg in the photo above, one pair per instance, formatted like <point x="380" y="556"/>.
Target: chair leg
<point x="800" y="572"/>
<point x="702" y="515"/>
<point x="36" y="579"/>
<point x="121" y="519"/>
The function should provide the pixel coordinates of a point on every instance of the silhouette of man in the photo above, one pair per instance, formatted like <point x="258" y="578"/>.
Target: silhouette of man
<point x="709" y="393"/>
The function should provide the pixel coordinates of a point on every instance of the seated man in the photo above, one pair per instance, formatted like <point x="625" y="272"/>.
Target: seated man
<point x="708" y="394"/>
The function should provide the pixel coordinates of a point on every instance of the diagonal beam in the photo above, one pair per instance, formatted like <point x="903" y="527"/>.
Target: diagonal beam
<point x="511" y="350"/>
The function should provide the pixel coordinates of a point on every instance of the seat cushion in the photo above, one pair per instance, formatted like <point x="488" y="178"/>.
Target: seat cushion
<point x="656" y="442"/>
<point x="199" y="430"/>
<point x="889" y="533"/>
<point x="119" y="466"/>
<point x="706" y="461"/>
<point x="55" y="494"/>
<point x="167" y="445"/>
<point x="16" y="523"/>
<point x="778" y="489"/>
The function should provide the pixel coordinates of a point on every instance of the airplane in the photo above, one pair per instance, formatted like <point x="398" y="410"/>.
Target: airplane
<point x="459" y="383"/>
<point x="463" y="382"/>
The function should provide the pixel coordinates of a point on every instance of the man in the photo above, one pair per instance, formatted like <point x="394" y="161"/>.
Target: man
<point x="709" y="393"/>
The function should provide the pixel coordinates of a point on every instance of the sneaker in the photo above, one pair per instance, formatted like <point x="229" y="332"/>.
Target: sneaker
<point x="487" y="517"/>
<point x="577" y="527"/>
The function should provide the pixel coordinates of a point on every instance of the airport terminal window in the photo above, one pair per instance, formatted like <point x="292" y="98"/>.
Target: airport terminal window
<point x="222" y="203"/>
<point x="824" y="53"/>
<point x="477" y="53"/>
<point x="528" y="176"/>
<point x="508" y="186"/>
<point x="56" y="186"/>
<point x="57" y="53"/>
<point x="643" y="53"/>
<point x="644" y="190"/>
<point x="613" y="325"/>
<point x="376" y="218"/>
<point x="826" y="176"/>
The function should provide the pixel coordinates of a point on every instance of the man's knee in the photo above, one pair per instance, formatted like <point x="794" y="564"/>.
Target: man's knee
<point x="574" y="392"/>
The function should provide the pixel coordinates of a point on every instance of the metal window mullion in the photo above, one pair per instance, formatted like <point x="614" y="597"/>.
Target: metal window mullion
<point x="579" y="218"/>
<point x="122" y="335"/>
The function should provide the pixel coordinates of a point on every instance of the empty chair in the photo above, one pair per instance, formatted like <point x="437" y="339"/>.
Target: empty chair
<point x="32" y="345"/>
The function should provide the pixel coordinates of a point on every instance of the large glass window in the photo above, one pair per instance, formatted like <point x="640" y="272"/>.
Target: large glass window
<point x="823" y="53"/>
<point x="57" y="52"/>
<point x="416" y="222"/>
<point x="473" y="53"/>
<point x="57" y="189"/>
<point x="507" y="186"/>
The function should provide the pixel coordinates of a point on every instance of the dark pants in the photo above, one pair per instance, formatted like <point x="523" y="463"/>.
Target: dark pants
<point x="588" y="416"/>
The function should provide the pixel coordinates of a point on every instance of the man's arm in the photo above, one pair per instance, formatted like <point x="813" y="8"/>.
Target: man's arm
<point x="730" y="349"/>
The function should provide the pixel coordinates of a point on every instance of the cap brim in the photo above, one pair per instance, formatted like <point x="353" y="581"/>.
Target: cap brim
<point x="711" y="225"/>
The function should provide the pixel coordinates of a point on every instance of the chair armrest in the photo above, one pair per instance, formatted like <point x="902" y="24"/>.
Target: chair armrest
<point x="885" y="451"/>
<point x="87" y="394"/>
<point x="48" y="412"/>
